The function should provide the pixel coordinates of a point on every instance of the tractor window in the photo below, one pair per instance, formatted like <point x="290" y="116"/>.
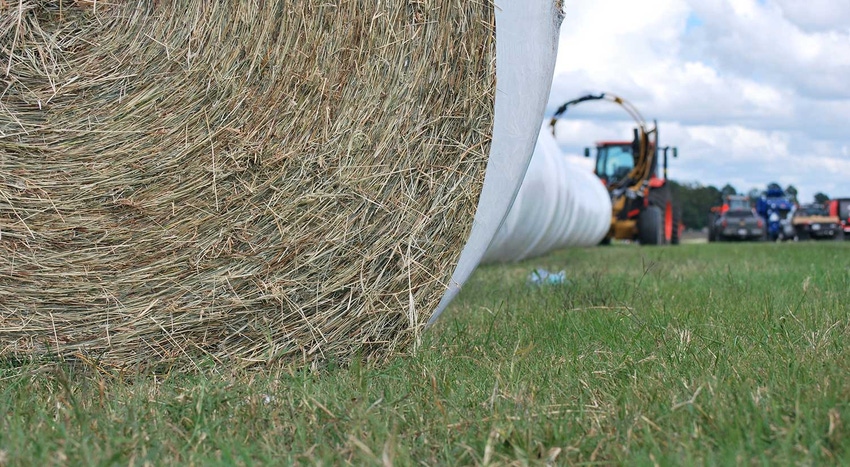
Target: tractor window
<point x="613" y="163"/>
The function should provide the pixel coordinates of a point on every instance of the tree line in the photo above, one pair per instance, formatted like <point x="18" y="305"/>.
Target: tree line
<point x="696" y="200"/>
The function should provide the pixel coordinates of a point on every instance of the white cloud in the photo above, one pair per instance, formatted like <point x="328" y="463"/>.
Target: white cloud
<point x="816" y="15"/>
<point x="763" y="42"/>
<point x="750" y="91"/>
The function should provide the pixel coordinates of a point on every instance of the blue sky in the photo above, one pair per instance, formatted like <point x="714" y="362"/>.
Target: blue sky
<point x="692" y="23"/>
<point x="751" y="91"/>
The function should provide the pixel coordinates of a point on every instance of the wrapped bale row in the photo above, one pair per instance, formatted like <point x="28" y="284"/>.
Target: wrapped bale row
<point x="240" y="181"/>
<point x="559" y="204"/>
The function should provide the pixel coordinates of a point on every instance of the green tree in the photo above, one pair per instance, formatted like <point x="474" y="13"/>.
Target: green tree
<point x="695" y="202"/>
<point x="821" y="198"/>
<point x="754" y="194"/>
<point x="791" y="193"/>
<point x="728" y="190"/>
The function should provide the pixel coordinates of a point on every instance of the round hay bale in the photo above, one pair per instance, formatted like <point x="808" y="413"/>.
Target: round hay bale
<point x="246" y="181"/>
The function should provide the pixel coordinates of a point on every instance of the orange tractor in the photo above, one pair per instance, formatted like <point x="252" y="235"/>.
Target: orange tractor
<point x="643" y="205"/>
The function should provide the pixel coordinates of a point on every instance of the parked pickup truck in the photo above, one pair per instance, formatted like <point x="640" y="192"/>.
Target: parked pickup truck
<point x="736" y="224"/>
<point x="812" y="221"/>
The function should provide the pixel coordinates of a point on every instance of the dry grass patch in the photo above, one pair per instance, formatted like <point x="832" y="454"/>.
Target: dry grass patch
<point x="250" y="181"/>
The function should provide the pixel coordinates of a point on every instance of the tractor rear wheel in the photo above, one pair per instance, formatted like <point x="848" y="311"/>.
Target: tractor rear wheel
<point x="651" y="226"/>
<point x="675" y="238"/>
<point x="662" y="198"/>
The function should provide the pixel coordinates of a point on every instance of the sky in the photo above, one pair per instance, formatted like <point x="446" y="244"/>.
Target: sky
<point x="750" y="91"/>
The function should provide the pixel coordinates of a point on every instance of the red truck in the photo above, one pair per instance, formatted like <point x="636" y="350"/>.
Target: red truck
<point x="841" y="207"/>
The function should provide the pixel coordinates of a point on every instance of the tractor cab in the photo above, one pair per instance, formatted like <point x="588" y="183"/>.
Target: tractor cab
<point x="614" y="160"/>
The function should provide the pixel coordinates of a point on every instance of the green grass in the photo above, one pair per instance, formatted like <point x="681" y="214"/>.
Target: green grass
<point x="700" y="354"/>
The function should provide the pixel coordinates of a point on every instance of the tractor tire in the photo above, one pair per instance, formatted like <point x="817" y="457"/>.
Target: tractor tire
<point x="651" y="226"/>
<point x="663" y="199"/>
<point x="675" y="238"/>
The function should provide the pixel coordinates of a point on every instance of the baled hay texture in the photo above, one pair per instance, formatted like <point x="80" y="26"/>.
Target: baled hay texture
<point x="243" y="180"/>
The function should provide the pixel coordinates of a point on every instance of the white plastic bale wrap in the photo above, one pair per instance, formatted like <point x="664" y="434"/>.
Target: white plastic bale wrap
<point x="526" y="48"/>
<point x="559" y="204"/>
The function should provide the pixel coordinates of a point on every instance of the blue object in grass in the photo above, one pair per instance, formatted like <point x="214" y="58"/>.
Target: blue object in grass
<point x="541" y="276"/>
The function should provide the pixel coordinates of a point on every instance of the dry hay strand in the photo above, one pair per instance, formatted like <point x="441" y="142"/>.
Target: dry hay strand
<point x="242" y="181"/>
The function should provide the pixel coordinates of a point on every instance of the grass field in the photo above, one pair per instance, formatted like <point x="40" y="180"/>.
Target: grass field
<point x="699" y="354"/>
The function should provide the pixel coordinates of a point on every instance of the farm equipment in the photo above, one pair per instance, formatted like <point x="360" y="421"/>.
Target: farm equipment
<point x="840" y="207"/>
<point x="642" y="204"/>
<point x="774" y="207"/>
